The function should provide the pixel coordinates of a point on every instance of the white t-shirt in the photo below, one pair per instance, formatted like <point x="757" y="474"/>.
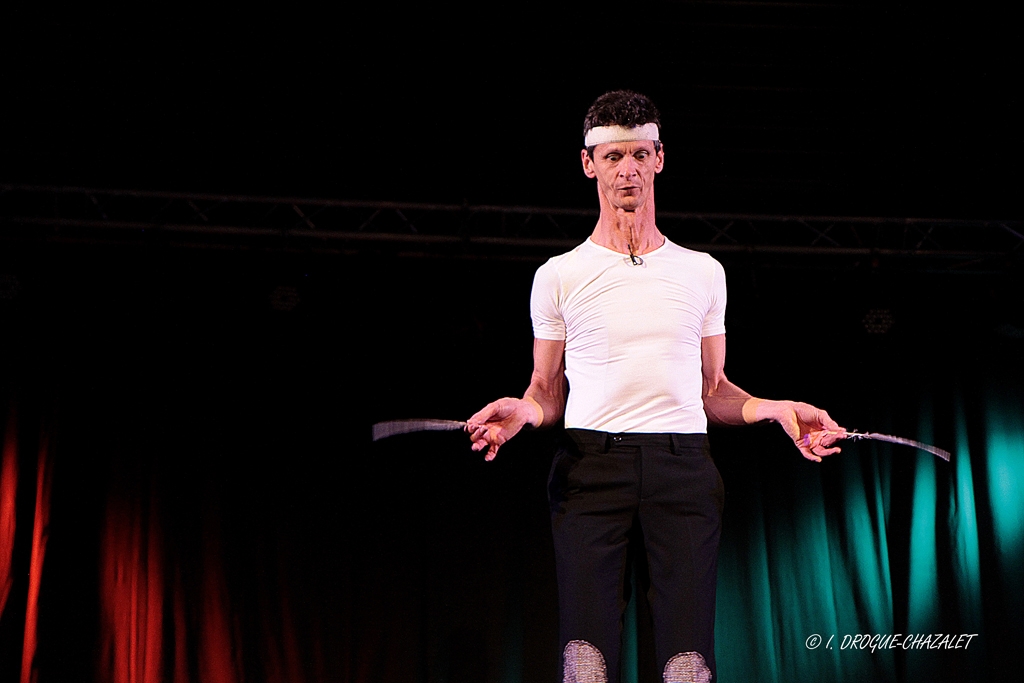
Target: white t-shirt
<point x="632" y="334"/>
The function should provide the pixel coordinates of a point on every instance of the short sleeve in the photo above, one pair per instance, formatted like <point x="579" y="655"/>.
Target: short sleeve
<point x="544" y="304"/>
<point x="714" y="319"/>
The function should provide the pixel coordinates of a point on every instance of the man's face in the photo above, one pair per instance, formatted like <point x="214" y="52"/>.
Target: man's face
<point x="625" y="172"/>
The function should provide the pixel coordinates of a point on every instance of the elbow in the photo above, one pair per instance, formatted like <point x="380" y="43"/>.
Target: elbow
<point x="711" y="384"/>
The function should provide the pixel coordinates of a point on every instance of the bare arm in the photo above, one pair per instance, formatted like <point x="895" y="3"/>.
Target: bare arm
<point x="541" y="405"/>
<point x="812" y="430"/>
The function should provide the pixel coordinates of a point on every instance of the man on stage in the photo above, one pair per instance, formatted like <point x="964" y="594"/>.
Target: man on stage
<point x="635" y="325"/>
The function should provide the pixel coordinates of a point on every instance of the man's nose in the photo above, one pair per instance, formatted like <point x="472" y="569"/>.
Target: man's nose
<point x="627" y="169"/>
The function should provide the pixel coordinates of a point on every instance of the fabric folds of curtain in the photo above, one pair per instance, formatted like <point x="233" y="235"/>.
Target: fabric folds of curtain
<point x="38" y="454"/>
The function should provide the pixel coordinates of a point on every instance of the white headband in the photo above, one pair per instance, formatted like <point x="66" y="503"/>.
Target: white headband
<point x="602" y="134"/>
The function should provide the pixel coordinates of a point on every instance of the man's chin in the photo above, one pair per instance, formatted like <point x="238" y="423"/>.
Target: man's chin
<point x="627" y="203"/>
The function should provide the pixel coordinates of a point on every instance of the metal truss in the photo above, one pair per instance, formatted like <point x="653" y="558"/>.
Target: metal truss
<point x="72" y="214"/>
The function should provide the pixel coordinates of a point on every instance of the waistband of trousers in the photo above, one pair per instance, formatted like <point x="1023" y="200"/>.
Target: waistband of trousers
<point x="602" y="442"/>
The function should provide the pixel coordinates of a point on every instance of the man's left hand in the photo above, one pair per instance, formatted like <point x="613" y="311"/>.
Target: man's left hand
<point x="813" y="432"/>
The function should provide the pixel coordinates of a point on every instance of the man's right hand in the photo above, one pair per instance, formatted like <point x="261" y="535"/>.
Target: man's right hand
<point x="499" y="421"/>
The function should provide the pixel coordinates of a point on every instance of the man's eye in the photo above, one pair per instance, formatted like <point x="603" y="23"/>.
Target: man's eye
<point x="612" y="157"/>
<point x="641" y="155"/>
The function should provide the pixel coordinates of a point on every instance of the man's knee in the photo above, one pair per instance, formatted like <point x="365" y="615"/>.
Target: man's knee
<point x="583" y="663"/>
<point x="687" y="667"/>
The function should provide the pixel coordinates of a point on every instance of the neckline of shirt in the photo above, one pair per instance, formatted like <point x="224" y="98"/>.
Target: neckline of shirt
<point x="592" y="243"/>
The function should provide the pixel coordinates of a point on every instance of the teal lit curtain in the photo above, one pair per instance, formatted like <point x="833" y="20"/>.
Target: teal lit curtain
<point x="882" y="540"/>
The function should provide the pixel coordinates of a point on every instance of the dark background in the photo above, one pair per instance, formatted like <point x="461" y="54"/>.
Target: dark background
<point x="176" y="376"/>
<point x="857" y="108"/>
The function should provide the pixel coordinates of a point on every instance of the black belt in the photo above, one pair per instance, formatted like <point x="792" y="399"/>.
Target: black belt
<point x="602" y="442"/>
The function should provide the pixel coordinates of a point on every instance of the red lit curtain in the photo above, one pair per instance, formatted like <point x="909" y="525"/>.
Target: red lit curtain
<point x="148" y="612"/>
<point x="36" y="527"/>
<point x="167" y="608"/>
<point x="8" y="495"/>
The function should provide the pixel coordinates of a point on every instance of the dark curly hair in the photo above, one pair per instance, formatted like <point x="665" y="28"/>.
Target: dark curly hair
<point x="621" y="108"/>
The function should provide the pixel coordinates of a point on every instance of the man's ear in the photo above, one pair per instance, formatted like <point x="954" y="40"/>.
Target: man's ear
<point x="588" y="165"/>
<point x="661" y="160"/>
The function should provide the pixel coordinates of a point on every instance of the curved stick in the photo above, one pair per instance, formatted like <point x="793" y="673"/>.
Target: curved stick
<point x="382" y="430"/>
<point x="856" y="436"/>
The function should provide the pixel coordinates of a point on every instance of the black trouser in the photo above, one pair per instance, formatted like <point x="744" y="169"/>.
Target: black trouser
<point x="603" y="485"/>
